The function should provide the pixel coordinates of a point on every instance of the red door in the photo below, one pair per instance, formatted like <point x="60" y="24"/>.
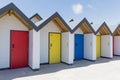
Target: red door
<point x="19" y="49"/>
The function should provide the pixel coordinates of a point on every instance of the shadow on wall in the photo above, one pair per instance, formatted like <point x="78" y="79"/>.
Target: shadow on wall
<point x="45" y="69"/>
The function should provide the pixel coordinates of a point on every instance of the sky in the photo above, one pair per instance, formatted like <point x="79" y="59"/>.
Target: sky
<point x="96" y="11"/>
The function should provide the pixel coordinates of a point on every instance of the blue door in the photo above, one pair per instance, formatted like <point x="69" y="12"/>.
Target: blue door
<point x="79" y="46"/>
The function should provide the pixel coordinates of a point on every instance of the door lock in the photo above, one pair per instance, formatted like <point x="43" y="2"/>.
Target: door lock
<point x="13" y="46"/>
<point x="50" y="44"/>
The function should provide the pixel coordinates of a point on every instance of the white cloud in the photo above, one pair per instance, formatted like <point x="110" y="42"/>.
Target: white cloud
<point x="90" y="6"/>
<point x="77" y="8"/>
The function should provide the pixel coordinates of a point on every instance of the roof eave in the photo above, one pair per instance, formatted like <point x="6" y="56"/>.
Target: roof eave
<point x="55" y="15"/>
<point x="11" y="6"/>
<point x="79" y="24"/>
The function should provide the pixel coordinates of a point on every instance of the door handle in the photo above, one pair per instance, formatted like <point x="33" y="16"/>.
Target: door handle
<point x="108" y="44"/>
<point x="75" y="44"/>
<point x="90" y="43"/>
<point x="13" y="45"/>
<point x="50" y="44"/>
<point x="67" y="44"/>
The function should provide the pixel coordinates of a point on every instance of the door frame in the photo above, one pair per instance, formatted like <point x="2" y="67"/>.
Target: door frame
<point x="100" y="45"/>
<point x="11" y="44"/>
<point x="49" y="45"/>
<point x="75" y="47"/>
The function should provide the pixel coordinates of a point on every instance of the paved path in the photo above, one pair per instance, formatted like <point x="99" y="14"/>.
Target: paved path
<point x="102" y="69"/>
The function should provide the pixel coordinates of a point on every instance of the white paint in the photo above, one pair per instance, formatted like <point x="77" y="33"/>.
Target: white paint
<point x="106" y="46"/>
<point x="78" y="31"/>
<point x="67" y="47"/>
<point x="44" y="40"/>
<point x="98" y="33"/>
<point x="8" y="23"/>
<point x="34" y="20"/>
<point x="90" y="46"/>
<point x="71" y="48"/>
<point x="34" y="49"/>
<point x="116" y="45"/>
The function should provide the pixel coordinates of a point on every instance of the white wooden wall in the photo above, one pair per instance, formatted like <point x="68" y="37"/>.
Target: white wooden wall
<point x="106" y="46"/>
<point x="78" y="31"/>
<point x="44" y="40"/>
<point x="71" y="48"/>
<point x="8" y="23"/>
<point x="90" y="46"/>
<point x="34" y="49"/>
<point x="116" y="45"/>
<point x="67" y="47"/>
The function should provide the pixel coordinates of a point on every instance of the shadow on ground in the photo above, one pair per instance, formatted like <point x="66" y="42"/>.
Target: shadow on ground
<point x="45" y="69"/>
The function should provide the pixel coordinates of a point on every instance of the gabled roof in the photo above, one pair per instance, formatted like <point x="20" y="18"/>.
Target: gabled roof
<point x="104" y="30"/>
<point x="12" y="9"/>
<point x="37" y="16"/>
<point x="117" y="31"/>
<point x="85" y="26"/>
<point x="58" y="20"/>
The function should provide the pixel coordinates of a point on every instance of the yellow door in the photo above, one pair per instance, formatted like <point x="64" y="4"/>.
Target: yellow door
<point x="98" y="46"/>
<point x="54" y="45"/>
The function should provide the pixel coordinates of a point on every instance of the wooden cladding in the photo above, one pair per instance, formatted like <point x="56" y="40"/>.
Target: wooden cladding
<point x="60" y="25"/>
<point x="85" y="28"/>
<point x="38" y="17"/>
<point x="12" y="12"/>
<point x="117" y="32"/>
<point x="22" y="20"/>
<point x="104" y="30"/>
<point x="5" y="13"/>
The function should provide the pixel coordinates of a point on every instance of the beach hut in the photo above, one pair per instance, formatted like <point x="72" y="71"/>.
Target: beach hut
<point x="104" y="41"/>
<point x="36" y="18"/>
<point x="16" y="39"/>
<point x="55" y="41"/>
<point x="84" y="41"/>
<point x="116" y="41"/>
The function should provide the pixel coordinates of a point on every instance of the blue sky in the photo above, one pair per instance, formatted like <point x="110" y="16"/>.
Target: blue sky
<point x="96" y="11"/>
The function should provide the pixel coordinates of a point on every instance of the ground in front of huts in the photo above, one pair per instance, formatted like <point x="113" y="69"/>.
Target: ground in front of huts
<point x="102" y="69"/>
